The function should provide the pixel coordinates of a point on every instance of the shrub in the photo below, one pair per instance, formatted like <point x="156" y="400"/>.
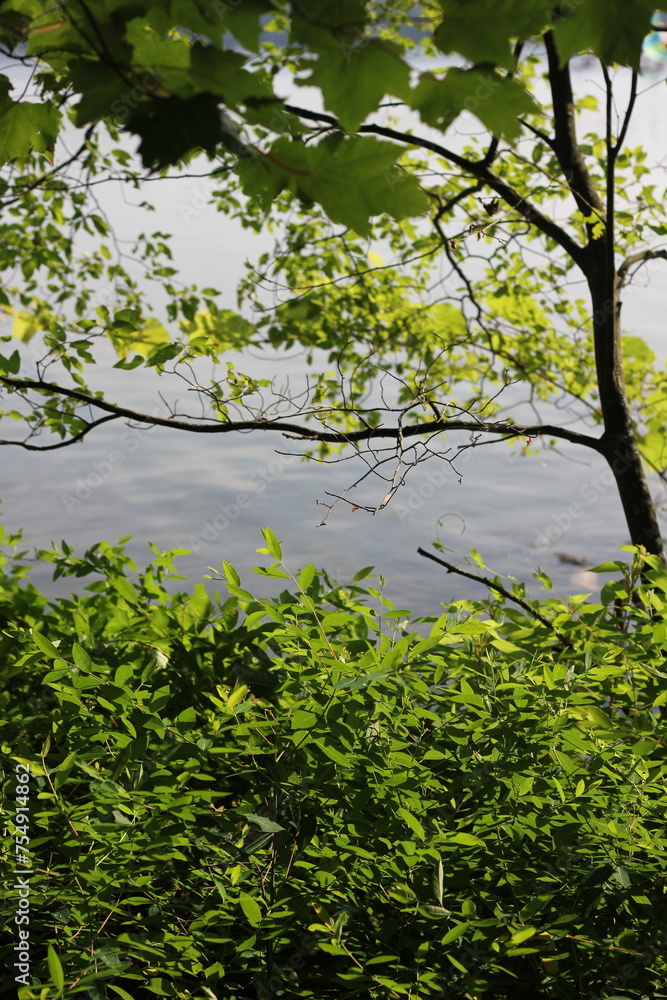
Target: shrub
<point x="299" y="797"/>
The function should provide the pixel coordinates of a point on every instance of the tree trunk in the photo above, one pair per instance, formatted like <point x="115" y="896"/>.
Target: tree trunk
<point x="619" y="443"/>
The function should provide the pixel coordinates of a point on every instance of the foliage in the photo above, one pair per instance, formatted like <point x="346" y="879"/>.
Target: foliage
<point x="306" y="797"/>
<point x="353" y="53"/>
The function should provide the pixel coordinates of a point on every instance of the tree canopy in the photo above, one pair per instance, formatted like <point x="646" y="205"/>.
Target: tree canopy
<point x="405" y="236"/>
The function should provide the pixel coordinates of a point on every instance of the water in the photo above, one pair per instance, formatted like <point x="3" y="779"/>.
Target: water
<point x="212" y="494"/>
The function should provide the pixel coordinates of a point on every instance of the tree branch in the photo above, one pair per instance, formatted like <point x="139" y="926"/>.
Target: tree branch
<point x="565" y="143"/>
<point x="62" y="444"/>
<point x="476" y="168"/>
<point x="302" y="431"/>
<point x="637" y="258"/>
<point x="628" y="115"/>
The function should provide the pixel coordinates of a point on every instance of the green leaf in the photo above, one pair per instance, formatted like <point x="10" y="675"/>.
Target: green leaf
<point x="457" y="965"/>
<point x="170" y="127"/>
<point x="46" y="646"/>
<point x="231" y="574"/>
<point x="313" y="24"/>
<point x="355" y="77"/>
<point x="251" y="909"/>
<point x="144" y="341"/>
<point x="523" y="935"/>
<point x="67" y="763"/>
<point x="455" y="932"/>
<point x="130" y="365"/>
<point x="24" y="326"/>
<point x="439" y="882"/>
<point x="264" y="824"/>
<point x="622" y="875"/>
<point x="187" y="719"/>
<point x="272" y="543"/>
<point x="199" y="604"/>
<point x="25" y="127"/>
<point x="12" y="364"/>
<point x="335" y="755"/>
<point x="243" y="20"/>
<point x="120" y="991"/>
<point x="482" y="30"/>
<point x="497" y="101"/>
<point x="81" y="658"/>
<point x="55" y="969"/>
<point x="123" y="586"/>
<point x="412" y="822"/>
<point x="613" y="29"/>
<point x="353" y="179"/>
<point x="240" y="592"/>
<point x="221" y="72"/>
<point x="303" y="720"/>
<point x="254" y="619"/>
<point x="212" y="333"/>
<point x="466" y="839"/>
<point x="335" y="619"/>
<point x="504" y="646"/>
<point x="103" y="91"/>
<point x="306" y="576"/>
<point x="123" y="674"/>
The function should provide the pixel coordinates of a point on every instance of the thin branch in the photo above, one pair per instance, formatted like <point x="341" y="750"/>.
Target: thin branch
<point x="637" y="258"/>
<point x="62" y="444"/>
<point x="447" y="206"/>
<point x="22" y="189"/>
<point x="546" y="139"/>
<point x="628" y="115"/>
<point x="499" y="589"/>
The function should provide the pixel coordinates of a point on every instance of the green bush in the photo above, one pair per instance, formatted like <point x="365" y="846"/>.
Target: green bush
<point x="297" y="797"/>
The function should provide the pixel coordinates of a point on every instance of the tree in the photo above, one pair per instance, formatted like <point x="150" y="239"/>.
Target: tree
<point x="418" y="351"/>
